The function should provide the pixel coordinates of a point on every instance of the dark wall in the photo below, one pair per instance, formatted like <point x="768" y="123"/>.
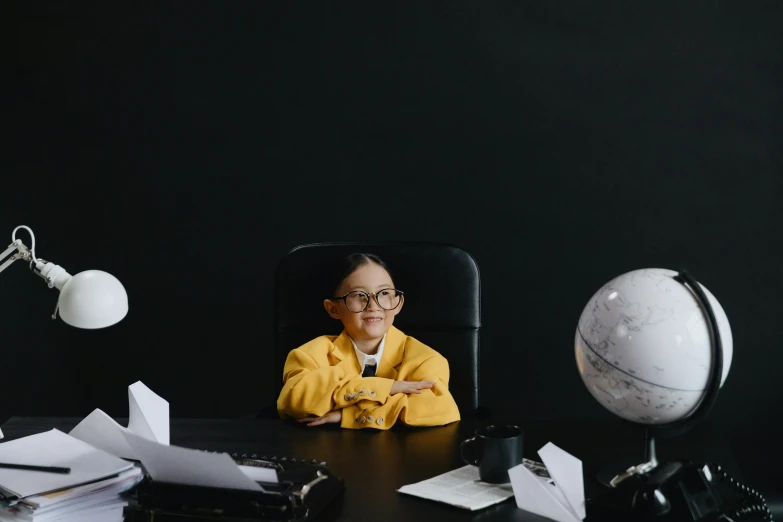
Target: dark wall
<point x="185" y="147"/>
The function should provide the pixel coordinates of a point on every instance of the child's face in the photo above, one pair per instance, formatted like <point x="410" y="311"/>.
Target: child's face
<point x="374" y="321"/>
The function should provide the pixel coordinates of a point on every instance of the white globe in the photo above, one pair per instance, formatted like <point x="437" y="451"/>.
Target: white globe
<point x="643" y="347"/>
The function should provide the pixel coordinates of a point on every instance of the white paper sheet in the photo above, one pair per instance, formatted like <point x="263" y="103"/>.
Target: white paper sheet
<point x="54" y="448"/>
<point x="191" y="467"/>
<point x="463" y="488"/>
<point x="562" y="499"/>
<point x="260" y="474"/>
<point x="148" y="417"/>
<point x="101" y="431"/>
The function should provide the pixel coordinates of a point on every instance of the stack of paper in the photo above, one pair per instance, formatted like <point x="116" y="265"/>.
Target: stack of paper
<point x="90" y="491"/>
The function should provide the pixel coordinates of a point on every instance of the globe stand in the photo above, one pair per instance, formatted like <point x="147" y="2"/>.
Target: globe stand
<point x="680" y="490"/>
<point x="649" y="451"/>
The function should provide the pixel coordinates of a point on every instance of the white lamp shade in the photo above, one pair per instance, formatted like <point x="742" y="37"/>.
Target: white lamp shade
<point x="93" y="299"/>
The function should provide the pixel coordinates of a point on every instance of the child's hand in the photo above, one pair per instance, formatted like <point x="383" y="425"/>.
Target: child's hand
<point x="333" y="417"/>
<point x="410" y="387"/>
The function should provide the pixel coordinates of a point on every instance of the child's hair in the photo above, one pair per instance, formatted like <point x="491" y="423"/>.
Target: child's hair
<point x="349" y="264"/>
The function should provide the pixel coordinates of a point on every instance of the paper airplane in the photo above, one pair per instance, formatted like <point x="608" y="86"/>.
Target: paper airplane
<point x="148" y="417"/>
<point x="562" y="500"/>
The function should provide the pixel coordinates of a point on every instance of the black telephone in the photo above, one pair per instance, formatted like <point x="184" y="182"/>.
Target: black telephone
<point x="680" y="491"/>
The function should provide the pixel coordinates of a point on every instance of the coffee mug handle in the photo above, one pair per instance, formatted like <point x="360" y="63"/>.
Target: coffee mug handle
<point x="469" y="446"/>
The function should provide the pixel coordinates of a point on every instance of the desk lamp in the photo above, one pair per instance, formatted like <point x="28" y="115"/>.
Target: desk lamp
<point x="91" y="299"/>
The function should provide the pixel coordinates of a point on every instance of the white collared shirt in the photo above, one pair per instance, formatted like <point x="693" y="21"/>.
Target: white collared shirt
<point x="369" y="360"/>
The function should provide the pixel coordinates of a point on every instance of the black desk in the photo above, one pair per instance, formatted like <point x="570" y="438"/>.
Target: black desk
<point x="375" y="463"/>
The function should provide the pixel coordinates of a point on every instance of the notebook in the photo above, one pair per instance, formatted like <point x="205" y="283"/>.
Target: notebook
<point x="54" y="448"/>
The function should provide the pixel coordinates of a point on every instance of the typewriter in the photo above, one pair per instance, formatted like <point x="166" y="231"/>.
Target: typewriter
<point x="306" y="490"/>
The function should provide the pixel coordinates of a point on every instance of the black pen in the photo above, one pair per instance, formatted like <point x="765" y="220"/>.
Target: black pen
<point x="48" y="469"/>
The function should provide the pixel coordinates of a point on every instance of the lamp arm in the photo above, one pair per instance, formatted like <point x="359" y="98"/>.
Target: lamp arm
<point x="22" y="252"/>
<point x="54" y="275"/>
<point x="16" y="250"/>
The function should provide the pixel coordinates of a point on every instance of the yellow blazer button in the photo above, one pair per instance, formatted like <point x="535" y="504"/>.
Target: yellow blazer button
<point x="358" y="420"/>
<point x="354" y="395"/>
<point x="362" y="392"/>
<point x="372" y="394"/>
<point x="370" y="418"/>
<point x="379" y="421"/>
<point x="348" y="397"/>
<point x="362" y="420"/>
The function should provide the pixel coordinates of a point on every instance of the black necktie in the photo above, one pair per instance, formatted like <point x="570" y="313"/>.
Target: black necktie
<point x="369" y="371"/>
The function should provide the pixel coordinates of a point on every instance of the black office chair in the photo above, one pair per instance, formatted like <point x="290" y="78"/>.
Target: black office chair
<point x="442" y="303"/>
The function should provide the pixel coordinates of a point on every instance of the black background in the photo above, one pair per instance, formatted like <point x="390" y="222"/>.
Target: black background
<point x="185" y="147"/>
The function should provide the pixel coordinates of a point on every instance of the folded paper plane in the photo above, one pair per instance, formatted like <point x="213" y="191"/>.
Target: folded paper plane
<point x="148" y="417"/>
<point x="563" y="499"/>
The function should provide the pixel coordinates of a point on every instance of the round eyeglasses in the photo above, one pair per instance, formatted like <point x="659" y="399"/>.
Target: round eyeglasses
<point x="357" y="300"/>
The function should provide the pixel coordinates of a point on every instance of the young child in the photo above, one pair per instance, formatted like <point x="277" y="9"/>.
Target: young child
<point x="372" y="375"/>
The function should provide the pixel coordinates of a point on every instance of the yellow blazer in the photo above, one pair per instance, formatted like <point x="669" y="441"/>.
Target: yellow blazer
<point x="324" y="375"/>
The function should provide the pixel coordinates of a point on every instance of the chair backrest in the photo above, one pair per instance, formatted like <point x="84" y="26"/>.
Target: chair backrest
<point x="442" y="303"/>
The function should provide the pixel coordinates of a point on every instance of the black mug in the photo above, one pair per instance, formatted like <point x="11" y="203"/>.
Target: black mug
<point x="495" y="450"/>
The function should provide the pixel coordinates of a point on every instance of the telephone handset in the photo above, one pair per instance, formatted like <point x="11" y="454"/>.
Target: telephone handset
<point x="681" y="491"/>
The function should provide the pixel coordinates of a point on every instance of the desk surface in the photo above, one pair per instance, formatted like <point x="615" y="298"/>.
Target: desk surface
<point x="375" y="463"/>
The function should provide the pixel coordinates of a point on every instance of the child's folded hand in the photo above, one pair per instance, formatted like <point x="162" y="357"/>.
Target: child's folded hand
<point x="410" y="387"/>
<point x="333" y="417"/>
